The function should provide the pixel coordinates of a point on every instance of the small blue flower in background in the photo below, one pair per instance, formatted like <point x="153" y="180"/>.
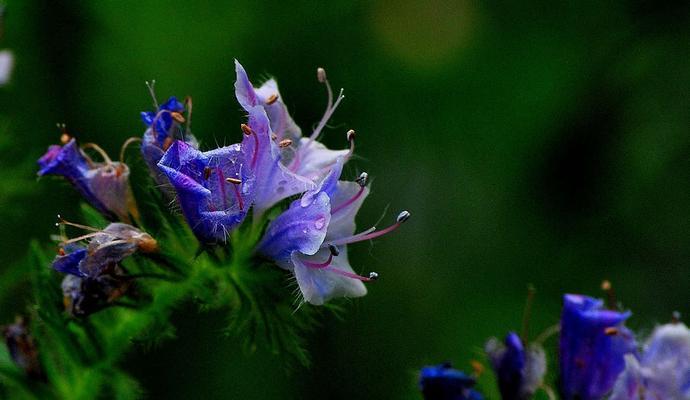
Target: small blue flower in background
<point x="310" y="238"/>
<point x="214" y="188"/>
<point x="519" y="371"/>
<point x="593" y="345"/>
<point x="163" y="128"/>
<point x="663" y="370"/>
<point x="22" y="348"/>
<point x="303" y="156"/>
<point x="104" y="185"/>
<point x="442" y="382"/>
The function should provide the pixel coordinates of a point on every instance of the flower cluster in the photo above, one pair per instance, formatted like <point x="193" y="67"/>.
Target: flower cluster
<point x="598" y="356"/>
<point x="216" y="190"/>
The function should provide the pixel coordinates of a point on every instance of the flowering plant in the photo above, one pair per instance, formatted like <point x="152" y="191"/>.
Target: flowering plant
<point x="275" y="198"/>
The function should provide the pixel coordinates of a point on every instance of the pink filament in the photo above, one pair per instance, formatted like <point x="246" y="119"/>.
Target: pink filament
<point x="350" y="201"/>
<point x="326" y="265"/>
<point x="366" y="235"/>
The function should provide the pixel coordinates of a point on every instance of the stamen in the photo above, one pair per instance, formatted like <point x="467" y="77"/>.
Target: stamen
<point x="285" y="143"/>
<point x="64" y="137"/>
<point x="167" y="143"/>
<point x="272" y="99"/>
<point x="236" y="185"/>
<point x="221" y="179"/>
<point x="207" y="173"/>
<point x="80" y="238"/>
<point x="330" y="107"/>
<point x="675" y="317"/>
<point x="155" y="119"/>
<point x="362" y="182"/>
<point x="329" y="112"/>
<point x="61" y="252"/>
<point x="178" y="117"/>
<point x="326" y="265"/>
<point x="274" y="137"/>
<point x="362" y="179"/>
<point x="248" y="131"/>
<point x="372" y="233"/>
<point x="62" y="221"/>
<point x="527" y="313"/>
<point x="610" y="295"/>
<point x="351" y="138"/>
<point x="125" y="145"/>
<point x="334" y="250"/>
<point x="321" y="75"/>
<point x="152" y="92"/>
<point x="611" y="331"/>
<point x="188" y="106"/>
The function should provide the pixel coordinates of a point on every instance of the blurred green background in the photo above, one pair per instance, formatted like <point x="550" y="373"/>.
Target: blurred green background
<point x="533" y="142"/>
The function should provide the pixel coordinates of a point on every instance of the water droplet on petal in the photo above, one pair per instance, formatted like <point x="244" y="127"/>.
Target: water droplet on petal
<point x="319" y="223"/>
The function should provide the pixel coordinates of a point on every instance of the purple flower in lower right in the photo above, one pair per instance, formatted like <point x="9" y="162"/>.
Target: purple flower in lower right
<point x="593" y="344"/>
<point x="442" y="382"/>
<point x="663" y="369"/>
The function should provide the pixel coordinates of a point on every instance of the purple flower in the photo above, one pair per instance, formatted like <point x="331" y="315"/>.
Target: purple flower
<point x="22" y="348"/>
<point x="304" y="156"/>
<point x="519" y="371"/>
<point x="108" y="246"/>
<point x="214" y="188"/>
<point x="310" y="238"/>
<point x="104" y="185"/>
<point x="164" y="127"/>
<point x="593" y="344"/>
<point x="273" y="181"/>
<point x="663" y="370"/>
<point x="94" y="277"/>
<point x="442" y="382"/>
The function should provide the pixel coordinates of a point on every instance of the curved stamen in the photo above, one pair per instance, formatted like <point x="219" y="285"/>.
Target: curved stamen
<point x="125" y="145"/>
<point x="327" y="115"/>
<point x="372" y="275"/>
<point x="326" y="266"/>
<point x="322" y="265"/>
<point x="155" y="119"/>
<point x="236" y="185"/>
<point x="351" y="138"/>
<point x="62" y="221"/>
<point x="250" y="132"/>
<point x="152" y="92"/>
<point x="362" y="181"/>
<point x="99" y="150"/>
<point x="372" y="233"/>
<point x="188" y="106"/>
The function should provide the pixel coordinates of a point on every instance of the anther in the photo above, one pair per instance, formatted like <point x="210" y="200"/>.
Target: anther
<point x="271" y="99"/>
<point x="321" y="75"/>
<point x="177" y="117"/>
<point x="207" y="172"/>
<point x="274" y="137"/>
<point x="373" y="276"/>
<point x="675" y="317"/>
<point x="611" y="330"/>
<point x="234" y="181"/>
<point x="61" y="251"/>
<point x="362" y="180"/>
<point x="285" y="143"/>
<point x="350" y="135"/>
<point x="334" y="250"/>
<point x="610" y="294"/>
<point x="246" y="129"/>
<point x="403" y="216"/>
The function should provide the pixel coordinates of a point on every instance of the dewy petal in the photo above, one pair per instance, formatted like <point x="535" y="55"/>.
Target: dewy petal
<point x="590" y="358"/>
<point x="302" y="227"/>
<point x="274" y="181"/>
<point x="281" y="122"/>
<point x="208" y="202"/>
<point x="319" y="285"/>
